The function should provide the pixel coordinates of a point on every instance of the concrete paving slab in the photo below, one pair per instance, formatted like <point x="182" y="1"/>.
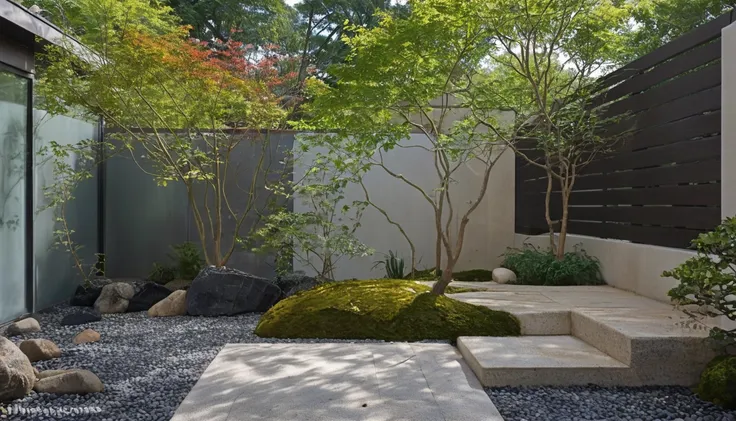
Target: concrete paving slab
<point x="542" y="360"/>
<point x="326" y="382"/>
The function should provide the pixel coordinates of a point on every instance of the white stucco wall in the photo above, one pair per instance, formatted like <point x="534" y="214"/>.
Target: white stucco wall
<point x="491" y="227"/>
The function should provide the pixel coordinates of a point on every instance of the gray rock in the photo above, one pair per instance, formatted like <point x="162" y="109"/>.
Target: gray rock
<point x="503" y="275"/>
<point x="115" y="298"/>
<point x="78" y="382"/>
<point x="23" y="327"/>
<point x="16" y="372"/>
<point x="81" y="318"/>
<point x="39" y="349"/>
<point x="295" y="282"/>
<point x="227" y="292"/>
<point x="150" y="294"/>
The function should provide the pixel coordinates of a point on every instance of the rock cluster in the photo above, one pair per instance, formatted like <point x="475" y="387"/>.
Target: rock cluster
<point x="227" y="292"/>
<point x="18" y="377"/>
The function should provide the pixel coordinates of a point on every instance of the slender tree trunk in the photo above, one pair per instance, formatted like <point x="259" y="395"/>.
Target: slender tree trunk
<point x="305" y="50"/>
<point x="441" y="285"/>
<point x="547" y="213"/>
<point x="563" y="225"/>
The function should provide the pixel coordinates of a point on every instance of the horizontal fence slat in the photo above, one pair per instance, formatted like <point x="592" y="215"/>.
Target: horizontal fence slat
<point x="660" y="236"/>
<point x="687" y="106"/>
<point x="687" y="151"/>
<point x="681" y="64"/>
<point x="699" y="35"/>
<point x="694" y="172"/>
<point x="702" y="125"/>
<point x="705" y="218"/>
<point x="690" y="195"/>
<point x="699" y="80"/>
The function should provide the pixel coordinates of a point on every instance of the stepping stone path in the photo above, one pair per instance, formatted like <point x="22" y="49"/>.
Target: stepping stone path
<point x="331" y="382"/>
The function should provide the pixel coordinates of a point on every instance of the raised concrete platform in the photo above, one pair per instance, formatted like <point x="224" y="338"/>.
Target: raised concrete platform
<point x="341" y="381"/>
<point x="559" y="360"/>
<point x="658" y="344"/>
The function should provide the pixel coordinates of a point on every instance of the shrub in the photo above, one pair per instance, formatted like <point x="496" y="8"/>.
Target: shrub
<point x="162" y="274"/>
<point x="189" y="260"/>
<point x="394" y="266"/>
<point x="393" y="310"/>
<point x="718" y="382"/>
<point x="708" y="280"/>
<point x="533" y="266"/>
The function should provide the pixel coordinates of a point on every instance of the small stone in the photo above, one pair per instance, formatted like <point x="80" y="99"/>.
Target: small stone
<point x="22" y="327"/>
<point x="115" y="298"/>
<point x="81" y="317"/>
<point x="16" y="372"/>
<point x="40" y="349"/>
<point x="78" y="382"/>
<point x="51" y="373"/>
<point x="503" y="275"/>
<point x="173" y="305"/>
<point x="86" y="336"/>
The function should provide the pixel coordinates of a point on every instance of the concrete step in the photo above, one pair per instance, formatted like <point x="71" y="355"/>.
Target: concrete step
<point x="662" y="347"/>
<point x="542" y="361"/>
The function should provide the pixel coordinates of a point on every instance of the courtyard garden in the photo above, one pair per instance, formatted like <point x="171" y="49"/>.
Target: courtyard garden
<point x="405" y="122"/>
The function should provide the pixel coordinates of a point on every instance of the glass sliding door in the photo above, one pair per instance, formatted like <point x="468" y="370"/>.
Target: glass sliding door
<point x="14" y="112"/>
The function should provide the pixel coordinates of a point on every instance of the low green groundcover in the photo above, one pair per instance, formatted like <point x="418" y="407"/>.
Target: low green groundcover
<point x="473" y="275"/>
<point x="534" y="266"/>
<point x="718" y="382"/>
<point x="393" y="310"/>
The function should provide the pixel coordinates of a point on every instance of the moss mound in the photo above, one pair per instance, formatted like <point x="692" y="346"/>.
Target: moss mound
<point x="718" y="382"/>
<point x="474" y="275"/>
<point x="381" y="309"/>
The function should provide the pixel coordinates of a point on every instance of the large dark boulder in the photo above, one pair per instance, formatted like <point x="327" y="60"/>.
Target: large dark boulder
<point x="85" y="296"/>
<point x="226" y="292"/>
<point x="149" y="294"/>
<point x="81" y="318"/>
<point x="292" y="283"/>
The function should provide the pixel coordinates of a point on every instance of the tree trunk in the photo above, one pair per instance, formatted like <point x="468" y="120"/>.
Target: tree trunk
<point x="547" y="213"/>
<point x="563" y="225"/>
<point x="441" y="285"/>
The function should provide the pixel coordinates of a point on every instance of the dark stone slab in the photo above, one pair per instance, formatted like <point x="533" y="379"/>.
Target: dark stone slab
<point x="81" y="318"/>
<point x="292" y="283"/>
<point x="85" y="297"/>
<point x="227" y="292"/>
<point x="149" y="294"/>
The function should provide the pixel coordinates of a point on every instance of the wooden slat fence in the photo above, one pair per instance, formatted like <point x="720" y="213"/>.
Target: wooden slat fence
<point x="662" y="184"/>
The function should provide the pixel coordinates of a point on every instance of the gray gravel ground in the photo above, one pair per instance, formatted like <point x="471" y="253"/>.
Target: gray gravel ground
<point x="148" y="365"/>
<point x="593" y="403"/>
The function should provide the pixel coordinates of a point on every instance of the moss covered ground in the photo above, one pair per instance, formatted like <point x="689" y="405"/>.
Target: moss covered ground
<point x="392" y="310"/>
<point x="718" y="382"/>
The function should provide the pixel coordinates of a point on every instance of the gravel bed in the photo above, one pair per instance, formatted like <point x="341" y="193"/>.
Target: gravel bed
<point x="593" y="403"/>
<point x="148" y="365"/>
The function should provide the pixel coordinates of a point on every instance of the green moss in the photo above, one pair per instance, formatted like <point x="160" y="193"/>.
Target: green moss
<point x="473" y="275"/>
<point x="381" y="309"/>
<point x="718" y="382"/>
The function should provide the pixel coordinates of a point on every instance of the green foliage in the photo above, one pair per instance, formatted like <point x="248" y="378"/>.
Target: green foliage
<point x="381" y="309"/>
<point x="658" y="22"/>
<point x="189" y="261"/>
<point x="394" y="266"/>
<point x="718" y="382"/>
<point x="708" y="280"/>
<point x="533" y="266"/>
<point x="162" y="274"/>
<point x="72" y="164"/>
<point x="324" y="234"/>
